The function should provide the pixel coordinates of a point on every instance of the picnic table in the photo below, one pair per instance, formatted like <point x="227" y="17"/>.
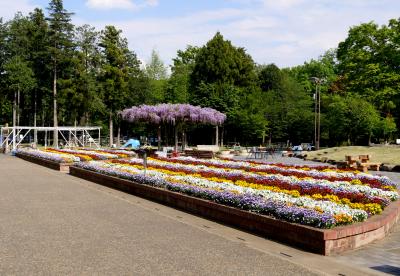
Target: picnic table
<point x="361" y="162"/>
<point x="257" y="152"/>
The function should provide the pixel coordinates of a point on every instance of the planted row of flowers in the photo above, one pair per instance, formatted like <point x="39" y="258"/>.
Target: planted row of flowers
<point x="94" y="154"/>
<point x="82" y="154"/>
<point x="340" y="201"/>
<point x="253" y="203"/>
<point x="321" y="172"/>
<point x="308" y="186"/>
<point x="50" y="156"/>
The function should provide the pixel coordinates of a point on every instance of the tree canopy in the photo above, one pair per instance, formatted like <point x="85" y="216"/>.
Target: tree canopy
<point x="54" y="72"/>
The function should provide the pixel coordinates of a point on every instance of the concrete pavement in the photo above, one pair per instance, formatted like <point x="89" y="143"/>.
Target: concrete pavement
<point x="53" y="223"/>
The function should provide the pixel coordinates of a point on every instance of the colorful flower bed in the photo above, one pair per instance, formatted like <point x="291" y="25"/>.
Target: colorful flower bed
<point x="320" y="198"/>
<point x="50" y="156"/>
<point x="70" y="156"/>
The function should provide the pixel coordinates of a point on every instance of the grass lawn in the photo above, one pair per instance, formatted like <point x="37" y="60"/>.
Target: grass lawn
<point x="386" y="154"/>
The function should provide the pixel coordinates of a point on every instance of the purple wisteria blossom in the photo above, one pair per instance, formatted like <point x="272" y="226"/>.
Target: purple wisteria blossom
<point x="172" y="113"/>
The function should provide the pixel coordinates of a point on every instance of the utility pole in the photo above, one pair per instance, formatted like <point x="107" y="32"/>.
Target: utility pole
<point x="317" y="110"/>
<point x="14" y="121"/>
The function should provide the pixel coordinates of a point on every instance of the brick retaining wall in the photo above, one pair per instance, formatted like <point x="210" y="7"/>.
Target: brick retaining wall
<point x="321" y="241"/>
<point x="63" y="167"/>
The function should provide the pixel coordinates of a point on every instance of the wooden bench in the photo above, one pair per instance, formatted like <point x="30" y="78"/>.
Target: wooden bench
<point x="361" y="163"/>
<point x="201" y="154"/>
<point x="364" y="162"/>
<point x="352" y="161"/>
<point x="374" y="166"/>
<point x="213" y="148"/>
<point x="364" y="158"/>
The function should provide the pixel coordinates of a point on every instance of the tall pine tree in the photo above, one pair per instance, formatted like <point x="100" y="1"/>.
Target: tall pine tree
<point x="60" y="48"/>
<point x="114" y="76"/>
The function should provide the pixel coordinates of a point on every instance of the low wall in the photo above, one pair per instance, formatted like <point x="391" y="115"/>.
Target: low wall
<point x="62" y="167"/>
<point x="321" y="241"/>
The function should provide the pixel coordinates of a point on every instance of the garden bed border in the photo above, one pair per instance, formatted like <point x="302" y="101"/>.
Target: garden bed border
<point x="62" y="167"/>
<point x="321" y="241"/>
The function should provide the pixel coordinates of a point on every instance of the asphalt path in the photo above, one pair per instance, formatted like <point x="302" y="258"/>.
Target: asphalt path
<point x="52" y="223"/>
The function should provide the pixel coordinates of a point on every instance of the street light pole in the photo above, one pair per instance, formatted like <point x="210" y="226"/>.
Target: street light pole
<point x="319" y="115"/>
<point x="315" y="116"/>
<point x="317" y="110"/>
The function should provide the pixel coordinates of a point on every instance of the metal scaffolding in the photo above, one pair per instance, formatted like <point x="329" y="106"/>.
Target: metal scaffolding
<point x="72" y="136"/>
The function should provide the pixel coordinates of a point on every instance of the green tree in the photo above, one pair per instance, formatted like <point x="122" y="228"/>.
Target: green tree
<point x="177" y="90"/>
<point x="367" y="62"/>
<point x="155" y="69"/>
<point x="387" y="127"/>
<point x="269" y="77"/>
<point x="61" y="49"/>
<point x="223" y="78"/>
<point x="5" y="102"/>
<point x="115" y="72"/>
<point x="156" y="72"/>
<point x="39" y="59"/>
<point x="351" y="119"/>
<point x="287" y="106"/>
<point x="85" y="99"/>
<point x="325" y="67"/>
<point x="20" y="80"/>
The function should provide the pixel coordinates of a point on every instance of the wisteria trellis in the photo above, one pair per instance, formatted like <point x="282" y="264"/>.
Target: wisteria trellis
<point x="174" y="114"/>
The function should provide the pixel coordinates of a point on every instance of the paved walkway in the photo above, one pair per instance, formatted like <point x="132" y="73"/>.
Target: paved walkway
<point x="53" y="223"/>
<point x="381" y="255"/>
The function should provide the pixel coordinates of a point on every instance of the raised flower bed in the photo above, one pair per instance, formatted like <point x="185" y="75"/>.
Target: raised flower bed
<point x="59" y="162"/>
<point x="292" y="208"/>
<point x="61" y="159"/>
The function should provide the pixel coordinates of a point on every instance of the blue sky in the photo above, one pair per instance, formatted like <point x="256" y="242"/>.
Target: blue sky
<point x="284" y="32"/>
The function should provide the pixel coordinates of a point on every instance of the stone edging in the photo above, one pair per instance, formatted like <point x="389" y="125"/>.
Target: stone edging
<point x="321" y="241"/>
<point x="62" y="167"/>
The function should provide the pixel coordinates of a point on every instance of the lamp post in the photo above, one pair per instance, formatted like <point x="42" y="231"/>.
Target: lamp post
<point x="317" y="110"/>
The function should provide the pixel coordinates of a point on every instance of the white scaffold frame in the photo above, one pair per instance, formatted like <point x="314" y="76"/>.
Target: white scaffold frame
<point x="75" y="136"/>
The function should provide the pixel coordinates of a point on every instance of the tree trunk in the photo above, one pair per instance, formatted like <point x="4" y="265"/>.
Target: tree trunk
<point x="76" y="142"/>
<point x="222" y="137"/>
<point x="55" y="117"/>
<point x="111" y="129"/>
<point x="183" y="140"/>
<point x="18" y="104"/>
<point x="159" y="137"/>
<point x="216" y="135"/>
<point x="86" y="118"/>
<point x="34" y="122"/>
<point x="119" y="136"/>
<point x="176" y="137"/>
<point x="270" y="138"/>
<point x="14" y="120"/>
<point x="166" y="135"/>
<point x="43" y="114"/>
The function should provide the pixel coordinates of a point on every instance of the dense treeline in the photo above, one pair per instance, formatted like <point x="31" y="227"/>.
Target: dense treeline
<point x="88" y="76"/>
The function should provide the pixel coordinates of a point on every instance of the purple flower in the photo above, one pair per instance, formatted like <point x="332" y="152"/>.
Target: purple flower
<point x="171" y="113"/>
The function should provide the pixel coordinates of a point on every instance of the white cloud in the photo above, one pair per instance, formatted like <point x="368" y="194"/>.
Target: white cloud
<point x="120" y="4"/>
<point x="286" y="33"/>
<point x="9" y="8"/>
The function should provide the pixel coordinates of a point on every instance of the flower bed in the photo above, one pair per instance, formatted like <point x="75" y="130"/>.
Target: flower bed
<point x="48" y="160"/>
<point x="85" y="154"/>
<point x="316" y="202"/>
<point x="322" y="241"/>
<point x="67" y="157"/>
<point x="50" y="156"/>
